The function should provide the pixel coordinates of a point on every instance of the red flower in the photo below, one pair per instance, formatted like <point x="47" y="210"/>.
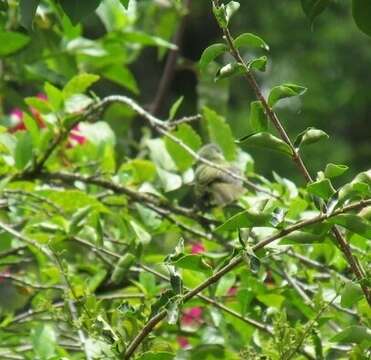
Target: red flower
<point x="17" y="124"/>
<point x="76" y="138"/>
<point x="232" y="291"/>
<point x="192" y="316"/>
<point x="35" y="113"/>
<point x="197" y="248"/>
<point x="16" y="118"/>
<point x="182" y="341"/>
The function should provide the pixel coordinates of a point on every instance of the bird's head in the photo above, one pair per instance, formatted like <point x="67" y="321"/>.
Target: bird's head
<point x="211" y="152"/>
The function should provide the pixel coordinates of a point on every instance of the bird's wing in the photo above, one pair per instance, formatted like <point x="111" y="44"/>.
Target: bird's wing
<point x="224" y="193"/>
<point x="206" y="175"/>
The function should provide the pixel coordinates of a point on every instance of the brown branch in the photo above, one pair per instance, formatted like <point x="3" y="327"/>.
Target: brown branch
<point x="142" y="198"/>
<point x="263" y="327"/>
<point x="19" y="280"/>
<point x="164" y="127"/>
<point x="12" y="251"/>
<point x="344" y="246"/>
<point x="27" y="240"/>
<point x="232" y="265"/>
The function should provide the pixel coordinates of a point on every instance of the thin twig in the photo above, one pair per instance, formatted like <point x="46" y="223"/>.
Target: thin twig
<point x="163" y="128"/>
<point x="73" y="309"/>
<point x="310" y="326"/>
<point x="19" y="280"/>
<point x="140" y="197"/>
<point x="266" y="328"/>
<point x="232" y="265"/>
<point x="344" y="246"/>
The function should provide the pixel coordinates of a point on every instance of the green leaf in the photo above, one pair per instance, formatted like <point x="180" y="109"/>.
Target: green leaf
<point x="54" y="95"/>
<point x="360" y="186"/>
<point x="267" y="141"/>
<point x="156" y="355"/>
<point x="192" y="262"/>
<point x="77" y="10"/>
<point x="309" y="136"/>
<point x="142" y="236"/>
<point x="258" y="64"/>
<point x="176" y="281"/>
<point x="220" y="15"/>
<point x="245" y="219"/>
<point x="313" y="8"/>
<point x="301" y="238"/>
<point x="231" y="8"/>
<point x="169" y="180"/>
<point x="32" y="127"/>
<point x="23" y="150"/>
<point x="211" y="53"/>
<point x="43" y="340"/>
<point x="71" y="200"/>
<point x="75" y="104"/>
<point x="142" y="170"/>
<point x="271" y="300"/>
<point x="121" y="75"/>
<point x="351" y="294"/>
<point x="248" y="39"/>
<point x="220" y="133"/>
<point x="146" y="39"/>
<point x="353" y="223"/>
<point x="224" y="284"/>
<point x="352" y="334"/>
<point x="284" y="91"/>
<point x="148" y="281"/>
<point x="99" y="133"/>
<point x="175" y="107"/>
<point x="122" y="267"/>
<point x="77" y="219"/>
<point x="361" y="10"/>
<point x="39" y="104"/>
<point x="229" y="70"/>
<point x="125" y="3"/>
<point x="27" y="10"/>
<point x="317" y="342"/>
<point x="333" y="170"/>
<point x="257" y="118"/>
<point x="79" y="83"/>
<point x="181" y="157"/>
<point x="322" y="188"/>
<point x="11" y="42"/>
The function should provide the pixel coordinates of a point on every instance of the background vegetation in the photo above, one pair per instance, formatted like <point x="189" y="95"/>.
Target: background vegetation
<point x="96" y="193"/>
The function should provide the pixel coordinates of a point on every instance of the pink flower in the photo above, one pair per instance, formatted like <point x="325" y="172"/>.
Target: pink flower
<point x="192" y="316"/>
<point x="16" y="115"/>
<point x="197" y="248"/>
<point x="41" y="96"/>
<point x="232" y="291"/>
<point x="76" y="137"/>
<point x="182" y="341"/>
<point x="16" y="118"/>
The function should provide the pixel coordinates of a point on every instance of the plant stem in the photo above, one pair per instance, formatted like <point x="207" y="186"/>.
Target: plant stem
<point x="343" y="245"/>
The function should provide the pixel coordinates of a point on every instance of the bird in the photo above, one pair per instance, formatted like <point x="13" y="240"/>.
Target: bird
<point x="213" y="187"/>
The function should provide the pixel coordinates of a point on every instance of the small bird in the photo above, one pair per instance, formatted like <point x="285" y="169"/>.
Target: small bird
<point x="213" y="186"/>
